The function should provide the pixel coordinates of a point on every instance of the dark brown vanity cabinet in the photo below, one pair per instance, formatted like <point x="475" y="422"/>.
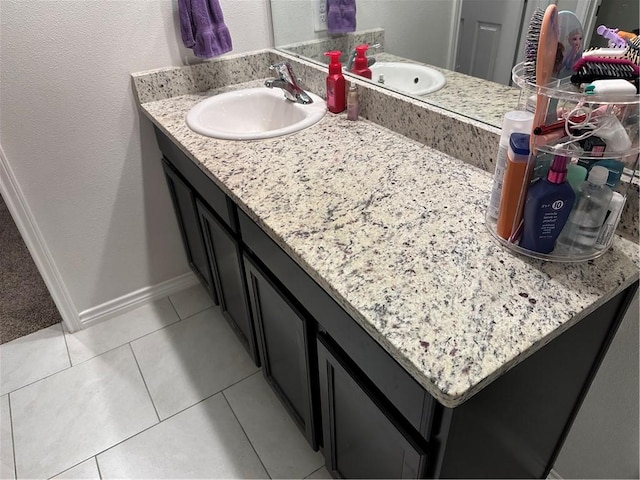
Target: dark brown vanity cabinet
<point x="349" y="396"/>
<point x="286" y="343"/>
<point x="184" y="204"/>
<point x="362" y="439"/>
<point x="225" y="262"/>
<point x="208" y="224"/>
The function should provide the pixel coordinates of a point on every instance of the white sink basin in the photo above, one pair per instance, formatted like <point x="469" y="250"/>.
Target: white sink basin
<point x="253" y="113"/>
<point x="408" y="77"/>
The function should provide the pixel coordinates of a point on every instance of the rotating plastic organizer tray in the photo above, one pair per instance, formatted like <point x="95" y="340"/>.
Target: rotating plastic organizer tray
<point x="604" y="133"/>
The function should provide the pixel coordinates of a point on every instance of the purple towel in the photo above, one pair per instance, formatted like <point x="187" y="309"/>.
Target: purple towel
<point x="203" y="29"/>
<point x="341" y="16"/>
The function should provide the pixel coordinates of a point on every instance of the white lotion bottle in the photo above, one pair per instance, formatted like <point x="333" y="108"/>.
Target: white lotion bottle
<point x="611" y="220"/>
<point x="516" y="121"/>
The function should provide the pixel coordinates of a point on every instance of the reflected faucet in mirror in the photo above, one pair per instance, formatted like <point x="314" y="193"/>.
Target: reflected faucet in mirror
<point x="370" y="59"/>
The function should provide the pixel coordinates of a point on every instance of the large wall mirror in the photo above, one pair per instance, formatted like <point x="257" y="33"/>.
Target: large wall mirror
<point x="473" y="44"/>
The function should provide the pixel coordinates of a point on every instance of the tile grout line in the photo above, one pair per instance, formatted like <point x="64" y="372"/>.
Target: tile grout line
<point x="66" y="344"/>
<point x="95" y="455"/>
<point x="13" y="439"/>
<point x="208" y="397"/>
<point x="144" y="381"/>
<point x="71" y="467"/>
<point x="245" y="433"/>
<point x="315" y="471"/>
<point x="130" y="341"/>
<point x="223" y="393"/>
<point x="192" y="314"/>
<point x="155" y="425"/>
<point x="95" y="458"/>
<point x="72" y="365"/>
<point x="180" y="319"/>
<point x="174" y="308"/>
<point x="210" y="307"/>
<point x="39" y="379"/>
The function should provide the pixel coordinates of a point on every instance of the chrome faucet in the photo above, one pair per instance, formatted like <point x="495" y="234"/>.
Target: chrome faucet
<point x="286" y="80"/>
<point x="370" y="59"/>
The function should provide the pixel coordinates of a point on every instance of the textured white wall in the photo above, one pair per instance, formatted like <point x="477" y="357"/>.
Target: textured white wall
<point x="87" y="164"/>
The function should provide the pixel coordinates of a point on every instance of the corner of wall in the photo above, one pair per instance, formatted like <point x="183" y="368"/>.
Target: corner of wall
<point x="33" y="239"/>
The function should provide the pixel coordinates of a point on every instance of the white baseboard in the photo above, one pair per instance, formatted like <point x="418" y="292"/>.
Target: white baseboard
<point x="22" y="216"/>
<point x="135" y="299"/>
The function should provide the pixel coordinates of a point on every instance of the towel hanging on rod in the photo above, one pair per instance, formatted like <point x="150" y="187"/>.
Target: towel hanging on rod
<point x="203" y="28"/>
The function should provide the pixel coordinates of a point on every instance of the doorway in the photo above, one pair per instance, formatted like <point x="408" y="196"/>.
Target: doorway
<point x="25" y="303"/>
<point x="492" y="33"/>
<point x="487" y="33"/>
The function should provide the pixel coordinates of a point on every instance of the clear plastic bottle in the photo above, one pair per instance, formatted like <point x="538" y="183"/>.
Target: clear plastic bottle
<point x="583" y="227"/>
<point x="514" y="122"/>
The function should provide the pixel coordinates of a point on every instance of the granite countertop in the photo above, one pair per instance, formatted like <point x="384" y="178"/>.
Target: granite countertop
<point x="394" y="231"/>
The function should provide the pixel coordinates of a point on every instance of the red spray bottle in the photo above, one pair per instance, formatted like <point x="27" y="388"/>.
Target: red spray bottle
<point x="336" y="85"/>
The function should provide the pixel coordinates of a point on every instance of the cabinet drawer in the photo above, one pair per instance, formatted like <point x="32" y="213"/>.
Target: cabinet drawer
<point x="407" y="396"/>
<point x="362" y="439"/>
<point x="200" y="181"/>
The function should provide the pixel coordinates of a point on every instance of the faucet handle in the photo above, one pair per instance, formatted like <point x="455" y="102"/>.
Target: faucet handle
<point x="289" y="83"/>
<point x="284" y="71"/>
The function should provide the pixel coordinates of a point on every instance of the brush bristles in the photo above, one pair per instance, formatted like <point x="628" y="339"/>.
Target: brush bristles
<point x="594" y="70"/>
<point x="531" y="45"/>
<point x="633" y="50"/>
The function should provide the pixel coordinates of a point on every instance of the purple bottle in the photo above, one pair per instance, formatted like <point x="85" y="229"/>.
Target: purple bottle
<point x="549" y="202"/>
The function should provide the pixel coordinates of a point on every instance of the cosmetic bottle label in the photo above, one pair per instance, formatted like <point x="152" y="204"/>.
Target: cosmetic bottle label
<point x="611" y="220"/>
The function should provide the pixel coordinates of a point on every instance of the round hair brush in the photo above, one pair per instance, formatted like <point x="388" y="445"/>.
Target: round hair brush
<point x="540" y="59"/>
<point x="545" y="60"/>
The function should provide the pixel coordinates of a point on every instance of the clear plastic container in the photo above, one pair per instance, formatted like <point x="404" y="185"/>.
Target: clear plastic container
<point x="605" y="134"/>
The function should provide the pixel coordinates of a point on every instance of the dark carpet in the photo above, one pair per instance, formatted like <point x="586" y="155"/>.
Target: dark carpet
<point x="25" y="303"/>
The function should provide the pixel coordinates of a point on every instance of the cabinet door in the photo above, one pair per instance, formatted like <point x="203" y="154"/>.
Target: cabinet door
<point x="184" y="204"/>
<point x="225" y="261"/>
<point x="361" y="439"/>
<point x="284" y="338"/>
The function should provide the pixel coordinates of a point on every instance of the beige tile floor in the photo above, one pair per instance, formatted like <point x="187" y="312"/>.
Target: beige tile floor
<point x="164" y="391"/>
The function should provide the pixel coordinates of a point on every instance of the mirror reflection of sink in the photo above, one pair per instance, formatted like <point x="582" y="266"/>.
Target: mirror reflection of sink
<point x="253" y="113"/>
<point x="408" y="77"/>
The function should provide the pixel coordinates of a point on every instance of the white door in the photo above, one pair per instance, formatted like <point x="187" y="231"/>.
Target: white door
<point x="488" y="35"/>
